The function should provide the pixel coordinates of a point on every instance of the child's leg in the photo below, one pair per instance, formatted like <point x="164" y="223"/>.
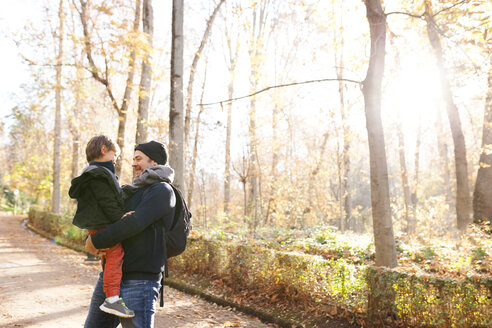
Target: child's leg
<point x="112" y="270"/>
<point x="112" y="274"/>
<point x="91" y="232"/>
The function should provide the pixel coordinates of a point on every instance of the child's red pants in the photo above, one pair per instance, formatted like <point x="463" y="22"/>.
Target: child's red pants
<point x="112" y="268"/>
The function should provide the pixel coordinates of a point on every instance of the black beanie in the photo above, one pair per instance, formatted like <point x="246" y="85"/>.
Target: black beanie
<point x="155" y="150"/>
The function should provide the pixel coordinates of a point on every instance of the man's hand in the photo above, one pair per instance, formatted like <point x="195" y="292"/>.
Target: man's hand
<point x="127" y="213"/>
<point x="89" y="247"/>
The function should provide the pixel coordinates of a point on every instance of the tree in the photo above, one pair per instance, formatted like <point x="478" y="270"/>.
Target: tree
<point x="482" y="195"/>
<point x="146" y="77"/>
<point x="463" y="205"/>
<point x="104" y="76"/>
<point x="191" y="182"/>
<point x="258" y="38"/>
<point x="55" y="205"/>
<point x="344" y="185"/>
<point x="231" y="62"/>
<point x="381" y="212"/>
<point x="74" y="120"/>
<point x="176" y="110"/>
<point x="189" y="94"/>
<point x="196" y="58"/>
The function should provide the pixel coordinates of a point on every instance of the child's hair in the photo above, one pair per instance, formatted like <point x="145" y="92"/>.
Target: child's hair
<point x="93" y="149"/>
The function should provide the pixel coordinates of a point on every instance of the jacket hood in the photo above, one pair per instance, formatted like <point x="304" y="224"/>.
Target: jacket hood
<point x="151" y="175"/>
<point x="88" y="173"/>
<point x="158" y="173"/>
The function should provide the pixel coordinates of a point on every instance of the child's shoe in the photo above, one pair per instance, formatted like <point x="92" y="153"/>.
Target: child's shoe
<point x="117" y="308"/>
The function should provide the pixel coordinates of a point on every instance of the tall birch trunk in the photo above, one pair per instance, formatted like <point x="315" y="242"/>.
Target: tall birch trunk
<point x="146" y="77"/>
<point x="345" y="197"/>
<point x="74" y="121"/>
<point x="123" y="111"/>
<point x="74" y="124"/>
<point x="191" y="183"/>
<point x="253" y="146"/>
<point x="381" y="212"/>
<point x="482" y="195"/>
<point x="255" y="48"/>
<point x="55" y="205"/>
<point x="196" y="57"/>
<point x="273" y="169"/>
<point x="233" y="55"/>
<point x="414" y="195"/>
<point x="176" y="111"/>
<point x="463" y="205"/>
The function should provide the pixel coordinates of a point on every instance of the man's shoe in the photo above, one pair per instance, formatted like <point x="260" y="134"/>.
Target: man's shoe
<point x="117" y="308"/>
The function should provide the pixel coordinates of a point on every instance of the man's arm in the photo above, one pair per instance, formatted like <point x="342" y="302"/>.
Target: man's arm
<point x="158" y="202"/>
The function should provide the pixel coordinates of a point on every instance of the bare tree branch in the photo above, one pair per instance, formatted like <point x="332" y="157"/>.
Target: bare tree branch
<point x="449" y="8"/>
<point x="421" y="16"/>
<point x="278" y="86"/>
<point x="88" y="50"/>
<point x="405" y="13"/>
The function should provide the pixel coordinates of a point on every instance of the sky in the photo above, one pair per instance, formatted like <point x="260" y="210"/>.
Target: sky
<point x="13" y="17"/>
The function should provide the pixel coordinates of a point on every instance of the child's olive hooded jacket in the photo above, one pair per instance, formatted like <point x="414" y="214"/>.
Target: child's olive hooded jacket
<point x="99" y="201"/>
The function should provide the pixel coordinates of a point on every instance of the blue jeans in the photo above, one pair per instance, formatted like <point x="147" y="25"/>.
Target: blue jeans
<point x="138" y="295"/>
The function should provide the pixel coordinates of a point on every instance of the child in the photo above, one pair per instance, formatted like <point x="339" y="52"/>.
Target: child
<point x="99" y="204"/>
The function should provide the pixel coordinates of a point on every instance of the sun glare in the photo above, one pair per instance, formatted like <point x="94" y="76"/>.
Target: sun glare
<point x="415" y="94"/>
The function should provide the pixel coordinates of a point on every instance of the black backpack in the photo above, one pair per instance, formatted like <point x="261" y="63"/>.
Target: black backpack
<point x="177" y="236"/>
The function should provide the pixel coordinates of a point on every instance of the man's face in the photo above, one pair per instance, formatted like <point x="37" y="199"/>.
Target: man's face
<point x="141" y="162"/>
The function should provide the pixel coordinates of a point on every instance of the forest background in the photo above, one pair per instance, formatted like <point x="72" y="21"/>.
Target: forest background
<point x="279" y="135"/>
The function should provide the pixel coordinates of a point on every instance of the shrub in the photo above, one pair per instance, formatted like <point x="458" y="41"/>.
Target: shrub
<point x="302" y="281"/>
<point x="58" y="227"/>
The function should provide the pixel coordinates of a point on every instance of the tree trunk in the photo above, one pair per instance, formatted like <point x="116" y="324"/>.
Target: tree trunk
<point x="176" y="117"/>
<point x="253" y="178"/>
<point x="146" y="77"/>
<point x="347" y="201"/>
<point x="414" y="196"/>
<point x="444" y="159"/>
<point x="191" y="182"/>
<point x="404" y="174"/>
<point x="198" y="55"/>
<point x="74" y="121"/>
<point x="401" y="149"/>
<point x="55" y="205"/>
<point x="482" y="195"/>
<point x="381" y="212"/>
<point x="230" y="91"/>
<point x="345" y="198"/>
<point x="122" y="113"/>
<point x="275" y="156"/>
<point x="227" y="168"/>
<point x="74" y="124"/>
<point x="463" y="205"/>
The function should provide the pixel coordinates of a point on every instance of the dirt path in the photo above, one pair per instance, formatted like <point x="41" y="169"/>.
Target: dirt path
<point x="45" y="285"/>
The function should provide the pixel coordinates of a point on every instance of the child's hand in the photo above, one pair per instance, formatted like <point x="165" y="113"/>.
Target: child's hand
<point x="89" y="247"/>
<point x="127" y="213"/>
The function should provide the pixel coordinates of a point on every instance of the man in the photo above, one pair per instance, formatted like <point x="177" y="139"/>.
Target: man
<point x="152" y="205"/>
